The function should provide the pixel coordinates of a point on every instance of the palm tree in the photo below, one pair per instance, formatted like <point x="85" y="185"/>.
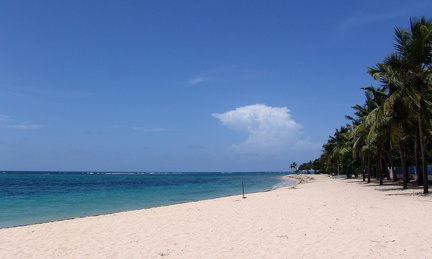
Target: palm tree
<point x="360" y="145"/>
<point x="393" y="114"/>
<point x="293" y="166"/>
<point x="397" y="117"/>
<point x="367" y="135"/>
<point x="415" y="47"/>
<point x="337" y="145"/>
<point x="408" y="72"/>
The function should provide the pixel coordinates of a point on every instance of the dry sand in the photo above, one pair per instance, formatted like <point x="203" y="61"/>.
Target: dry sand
<point x="323" y="218"/>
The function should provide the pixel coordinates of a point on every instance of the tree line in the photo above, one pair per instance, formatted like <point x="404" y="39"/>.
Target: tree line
<point x="393" y="127"/>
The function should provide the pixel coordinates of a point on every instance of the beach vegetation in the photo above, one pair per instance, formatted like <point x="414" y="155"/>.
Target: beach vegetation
<point x="306" y="167"/>
<point x="293" y="167"/>
<point x="393" y="128"/>
<point x="315" y="166"/>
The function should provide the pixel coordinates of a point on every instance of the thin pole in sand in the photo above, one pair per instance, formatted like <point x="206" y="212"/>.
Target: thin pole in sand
<point x="243" y="191"/>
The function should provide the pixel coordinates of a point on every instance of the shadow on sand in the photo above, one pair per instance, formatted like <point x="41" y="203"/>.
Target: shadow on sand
<point x="389" y="187"/>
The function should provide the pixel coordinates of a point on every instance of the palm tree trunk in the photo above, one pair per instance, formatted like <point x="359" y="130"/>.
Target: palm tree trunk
<point x="419" y="180"/>
<point x="369" y="168"/>
<point x="338" y="166"/>
<point x="378" y="170"/>
<point x="385" y="168"/>
<point x="402" y="152"/>
<point x="422" y="145"/>
<point x="381" y="173"/>
<point x="395" y="177"/>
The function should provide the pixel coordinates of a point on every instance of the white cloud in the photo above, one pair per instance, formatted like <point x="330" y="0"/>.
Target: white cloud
<point x="197" y="80"/>
<point x="196" y="147"/>
<point x="370" y="16"/>
<point x="271" y="130"/>
<point x="151" y="129"/>
<point x="23" y="126"/>
<point x="53" y="93"/>
<point x="220" y="74"/>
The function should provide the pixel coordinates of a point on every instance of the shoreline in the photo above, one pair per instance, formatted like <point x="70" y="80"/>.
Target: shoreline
<point x="300" y="178"/>
<point x="288" y="176"/>
<point x="147" y="194"/>
<point x="325" y="218"/>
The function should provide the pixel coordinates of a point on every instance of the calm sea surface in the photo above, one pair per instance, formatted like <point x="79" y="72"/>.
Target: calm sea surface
<point x="36" y="197"/>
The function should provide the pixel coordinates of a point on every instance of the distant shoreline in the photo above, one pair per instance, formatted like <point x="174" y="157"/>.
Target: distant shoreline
<point x="51" y="197"/>
<point x="125" y="211"/>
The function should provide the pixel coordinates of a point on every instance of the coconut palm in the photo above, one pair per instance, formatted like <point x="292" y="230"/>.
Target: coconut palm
<point x="369" y="136"/>
<point x="396" y="116"/>
<point x="361" y="148"/>
<point x="415" y="47"/>
<point x="293" y="166"/>
<point x="408" y="72"/>
<point x="336" y="147"/>
<point x="390" y="117"/>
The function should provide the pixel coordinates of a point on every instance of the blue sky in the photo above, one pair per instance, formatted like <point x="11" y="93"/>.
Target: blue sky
<point x="184" y="85"/>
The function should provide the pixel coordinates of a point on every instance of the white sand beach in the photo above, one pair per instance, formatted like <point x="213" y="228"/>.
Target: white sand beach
<point x="324" y="218"/>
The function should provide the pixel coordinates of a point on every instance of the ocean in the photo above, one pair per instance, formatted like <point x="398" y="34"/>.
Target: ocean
<point x="37" y="197"/>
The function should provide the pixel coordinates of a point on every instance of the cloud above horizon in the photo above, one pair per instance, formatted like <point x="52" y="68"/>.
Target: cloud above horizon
<point x="151" y="129"/>
<point x="271" y="130"/>
<point x="370" y="16"/>
<point x="197" y="80"/>
<point x="23" y="126"/>
<point x="51" y="93"/>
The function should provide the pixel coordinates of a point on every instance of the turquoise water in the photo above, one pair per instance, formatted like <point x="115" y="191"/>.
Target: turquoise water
<point x="37" y="197"/>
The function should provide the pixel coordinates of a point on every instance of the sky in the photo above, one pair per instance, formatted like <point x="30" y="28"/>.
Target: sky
<point x="190" y="86"/>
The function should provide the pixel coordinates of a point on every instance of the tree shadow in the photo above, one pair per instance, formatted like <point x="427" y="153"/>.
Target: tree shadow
<point x="389" y="186"/>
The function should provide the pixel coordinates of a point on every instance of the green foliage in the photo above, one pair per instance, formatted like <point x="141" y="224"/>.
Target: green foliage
<point x="306" y="167"/>
<point x="293" y="166"/>
<point x="394" y="126"/>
